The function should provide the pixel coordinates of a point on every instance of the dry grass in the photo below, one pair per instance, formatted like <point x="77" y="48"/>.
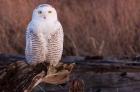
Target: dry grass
<point x="92" y="27"/>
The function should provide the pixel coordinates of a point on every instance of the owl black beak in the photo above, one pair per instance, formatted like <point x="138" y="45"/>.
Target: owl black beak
<point x="44" y="17"/>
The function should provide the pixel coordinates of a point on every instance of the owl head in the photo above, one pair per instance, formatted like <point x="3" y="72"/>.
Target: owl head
<point x="45" y="12"/>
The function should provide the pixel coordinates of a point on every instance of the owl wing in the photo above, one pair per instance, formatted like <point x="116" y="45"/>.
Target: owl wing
<point x="35" y="50"/>
<point x="55" y="45"/>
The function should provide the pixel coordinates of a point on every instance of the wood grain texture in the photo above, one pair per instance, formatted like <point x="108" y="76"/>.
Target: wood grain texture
<point x="98" y="74"/>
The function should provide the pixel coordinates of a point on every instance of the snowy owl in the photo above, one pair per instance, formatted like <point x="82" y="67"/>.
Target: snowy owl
<point x="44" y="37"/>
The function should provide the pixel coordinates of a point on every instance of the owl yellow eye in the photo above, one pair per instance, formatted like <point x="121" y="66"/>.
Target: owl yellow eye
<point x="39" y="12"/>
<point x="49" y="11"/>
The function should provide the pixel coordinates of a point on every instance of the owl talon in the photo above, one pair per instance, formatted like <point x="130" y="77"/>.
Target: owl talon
<point x="51" y="70"/>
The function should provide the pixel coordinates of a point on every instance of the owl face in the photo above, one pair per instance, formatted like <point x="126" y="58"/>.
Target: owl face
<point x="45" y="12"/>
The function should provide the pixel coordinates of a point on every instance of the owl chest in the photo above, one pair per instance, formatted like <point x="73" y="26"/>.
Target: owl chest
<point x="55" y="46"/>
<point x="55" y="43"/>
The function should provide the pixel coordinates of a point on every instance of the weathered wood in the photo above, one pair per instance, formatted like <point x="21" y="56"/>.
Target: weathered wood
<point x="103" y="65"/>
<point x="76" y="86"/>
<point x="89" y="63"/>
<point x="16" y="75"/>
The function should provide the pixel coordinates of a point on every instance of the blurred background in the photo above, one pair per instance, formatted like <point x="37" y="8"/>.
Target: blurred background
<point x="91" y="27"/>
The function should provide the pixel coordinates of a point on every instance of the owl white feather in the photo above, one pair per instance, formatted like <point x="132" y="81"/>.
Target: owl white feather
<point x="44" y="37"/>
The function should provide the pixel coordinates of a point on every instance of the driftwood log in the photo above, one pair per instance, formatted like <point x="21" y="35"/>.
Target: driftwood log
<point x="16" y="75"/>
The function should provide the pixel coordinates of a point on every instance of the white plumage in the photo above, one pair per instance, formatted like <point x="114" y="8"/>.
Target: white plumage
<point x="44" y="36"/>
